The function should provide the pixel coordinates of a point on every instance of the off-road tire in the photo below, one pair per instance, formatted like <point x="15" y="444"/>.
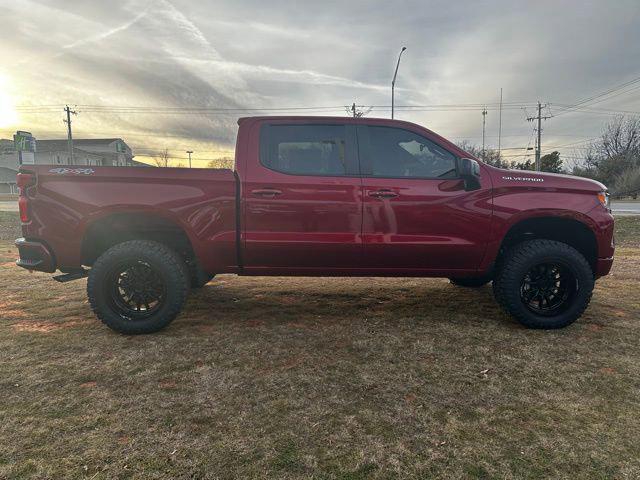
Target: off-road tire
<point x="519" y="259"/>
<point x="470" y="282"/>
<point x="170" y="268"/>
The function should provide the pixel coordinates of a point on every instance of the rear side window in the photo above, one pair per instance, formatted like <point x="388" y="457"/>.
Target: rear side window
<point x="305" y="149"/>
<point x="395" y="152"/>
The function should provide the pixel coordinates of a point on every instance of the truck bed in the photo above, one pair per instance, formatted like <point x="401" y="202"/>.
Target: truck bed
<point x="67" y="200"/>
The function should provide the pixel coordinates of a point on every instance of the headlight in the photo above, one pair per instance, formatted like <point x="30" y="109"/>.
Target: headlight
<point x="604" y="199"/>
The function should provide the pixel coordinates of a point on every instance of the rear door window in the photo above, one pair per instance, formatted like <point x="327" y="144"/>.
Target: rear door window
<point x="325" y="150"/>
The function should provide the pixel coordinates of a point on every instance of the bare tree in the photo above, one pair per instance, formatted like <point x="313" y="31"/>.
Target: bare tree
<point x="491" y="155"/>
<point x="628" y="183"/>
<point x="162" y="159"/>
<point x="614" y="159"/>
<point x="222" y="162"/>
<point x="621" y="138"/>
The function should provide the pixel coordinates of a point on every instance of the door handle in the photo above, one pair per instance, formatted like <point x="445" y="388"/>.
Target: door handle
<point x="266" y="192"/>
<point x="383" y="194"/>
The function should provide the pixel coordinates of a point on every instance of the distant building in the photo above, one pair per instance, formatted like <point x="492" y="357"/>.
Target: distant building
<point x="49" y="152"/>
<point x="8" y="155"/>
<point x="8" y="180"/>
<point x="109" y="152"/>
<point x="106" y="152"/>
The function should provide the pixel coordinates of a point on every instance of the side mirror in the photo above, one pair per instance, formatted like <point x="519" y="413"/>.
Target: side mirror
<point x="470" y="173"/>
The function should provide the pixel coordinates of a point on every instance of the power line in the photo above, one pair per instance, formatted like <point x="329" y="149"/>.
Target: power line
<point x="198" y="109"/>
<point x="602" y="95"/>
<point x="160" y="150"/>
<point x="608" y="92"/>
<point x="191" y="108"/>
<point x="203" y="159"/>
<point x="604" y="111"/>
<point x="574" y="143"/>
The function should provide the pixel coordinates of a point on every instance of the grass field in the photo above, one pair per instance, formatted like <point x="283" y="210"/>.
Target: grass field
<point x="320" y="378"/>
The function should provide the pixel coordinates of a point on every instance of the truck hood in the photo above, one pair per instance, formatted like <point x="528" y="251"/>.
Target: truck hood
<point x="545" y="181"/>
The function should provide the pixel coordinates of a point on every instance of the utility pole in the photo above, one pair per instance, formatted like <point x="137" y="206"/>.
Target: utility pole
<point x="69" y="137"/>
<point x="189" y="152"/>
<point x="357" y="111"/>
<point x="500" y="130"/>
<point x="539" y="137"/>
<point x="539" y="119"/>
<point x="393" y="82"/>
<point x="484" y="121"/>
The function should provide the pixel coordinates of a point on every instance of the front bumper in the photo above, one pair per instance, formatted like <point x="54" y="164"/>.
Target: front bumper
<point x="603" y="266"/>
<point x="35" y="255"/>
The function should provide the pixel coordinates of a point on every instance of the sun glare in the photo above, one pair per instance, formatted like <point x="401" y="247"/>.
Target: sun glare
<point x="8" y="115"/>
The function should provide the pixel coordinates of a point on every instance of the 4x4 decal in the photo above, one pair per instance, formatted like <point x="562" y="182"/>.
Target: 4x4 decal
<point x="73" y="171"/>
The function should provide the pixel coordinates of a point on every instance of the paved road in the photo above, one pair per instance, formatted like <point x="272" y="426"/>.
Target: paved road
<point x="622" y="207"/>
<point x="6" y="206"/>
<point x="626" y="208"/>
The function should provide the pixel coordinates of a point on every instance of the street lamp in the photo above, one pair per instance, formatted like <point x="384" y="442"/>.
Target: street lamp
<point x="393" y="82"/>
<point x="189" y="152"/>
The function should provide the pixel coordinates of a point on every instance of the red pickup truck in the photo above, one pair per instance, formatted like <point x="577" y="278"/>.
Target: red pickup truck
<point x="318" y="196"/>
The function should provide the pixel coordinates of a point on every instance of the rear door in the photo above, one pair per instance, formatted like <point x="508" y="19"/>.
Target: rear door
<point x="302" y="198"/>
<point x="417" y="213"/>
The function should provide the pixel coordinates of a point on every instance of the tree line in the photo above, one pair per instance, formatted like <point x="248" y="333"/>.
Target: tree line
<point x="613" y="158"/>
<point x="551" y="162"/>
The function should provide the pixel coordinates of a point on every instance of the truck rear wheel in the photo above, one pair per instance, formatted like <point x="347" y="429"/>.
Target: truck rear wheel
<point x="138" y="286"/>
<point x="544" y="284"/>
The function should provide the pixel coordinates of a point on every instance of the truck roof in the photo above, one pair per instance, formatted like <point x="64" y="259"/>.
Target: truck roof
<point x="318" y="118"/>
<point x="358" y="120"/>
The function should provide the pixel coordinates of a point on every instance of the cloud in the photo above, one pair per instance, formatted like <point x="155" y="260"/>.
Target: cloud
<point x="104" y="35"/>
<point x="308" y="77"/>
<point x="250" y="53"/>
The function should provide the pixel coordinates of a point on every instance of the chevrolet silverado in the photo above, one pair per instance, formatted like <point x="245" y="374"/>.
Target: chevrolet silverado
<point x="318" y="196"/>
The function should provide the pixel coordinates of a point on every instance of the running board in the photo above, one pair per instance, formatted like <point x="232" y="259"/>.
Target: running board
<point x="68" y="277"/>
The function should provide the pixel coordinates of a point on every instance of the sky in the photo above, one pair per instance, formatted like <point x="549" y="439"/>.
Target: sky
<point x="178" y="74"/>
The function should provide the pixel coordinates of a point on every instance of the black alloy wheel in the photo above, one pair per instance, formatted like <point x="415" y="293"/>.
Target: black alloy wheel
<point x="136" y="289"/>
<point x="548" y="289"/>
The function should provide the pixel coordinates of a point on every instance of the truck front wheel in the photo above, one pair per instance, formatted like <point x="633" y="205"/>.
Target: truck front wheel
<point x="138" y="286"/>
<point x="544" y="284"/>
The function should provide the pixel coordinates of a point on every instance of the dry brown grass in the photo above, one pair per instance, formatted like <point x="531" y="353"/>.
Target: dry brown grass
<point x="323" y="378"/>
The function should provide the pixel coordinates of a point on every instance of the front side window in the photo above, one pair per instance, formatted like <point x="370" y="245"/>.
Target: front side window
<point x="395" y="152"/>
<point x="304" y="149"/>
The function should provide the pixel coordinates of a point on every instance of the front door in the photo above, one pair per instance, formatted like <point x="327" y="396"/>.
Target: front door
<point x="302" y="199"/>
<point x="417" y="213"/>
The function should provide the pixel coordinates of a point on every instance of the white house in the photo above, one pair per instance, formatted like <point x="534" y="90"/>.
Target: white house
<point x="8" y="180"/>
<point x="95" y="151"/>
<point x="8" y="155"/>
<point x="99" y="151"/>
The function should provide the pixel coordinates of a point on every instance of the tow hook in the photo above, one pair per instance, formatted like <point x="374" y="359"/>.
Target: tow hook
<point x="68" y="277"/>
